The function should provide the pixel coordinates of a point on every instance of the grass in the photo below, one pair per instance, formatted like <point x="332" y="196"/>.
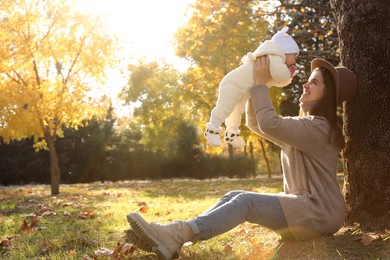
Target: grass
<point x="85" y="218"/>
<point x="87" y="221"/>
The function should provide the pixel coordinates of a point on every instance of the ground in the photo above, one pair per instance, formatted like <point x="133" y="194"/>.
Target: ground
<point x="348" y="243"/>
<point x="87" y="221"/>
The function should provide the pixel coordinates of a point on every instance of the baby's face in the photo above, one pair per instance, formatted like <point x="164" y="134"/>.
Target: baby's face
<point x="290" y="62"/>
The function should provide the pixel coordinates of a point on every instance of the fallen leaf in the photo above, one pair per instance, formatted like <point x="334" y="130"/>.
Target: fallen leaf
<point x="87" y="214"/>
<point x="48" y="212"/>
<point x="367" y="239"/>
<point x="241" y="231"/>
<point x="144" y="209"/>
<point x="27" y="227"/>
<point x="124" y="249"/>
<point x="67" y="204"/>
<point x="12" y="236"/>
<point x="5" y="243"/>
<point x="140" y="204"/>
<point x="103" y="252"/>
<point x="72" y="252"/>
<point x="45" y="246"/>
<point x="228" y="249"/>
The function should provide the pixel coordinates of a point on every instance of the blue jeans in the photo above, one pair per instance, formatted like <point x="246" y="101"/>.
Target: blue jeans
<point x="236" y="207"/>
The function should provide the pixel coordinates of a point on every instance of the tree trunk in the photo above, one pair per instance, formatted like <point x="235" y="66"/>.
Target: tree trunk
<point x="55" y="175"/>
<point x="253" y="164"/>
<point x="363" y="28"/>
<point x="231" y="152"/>
<point x="265" y="158"/>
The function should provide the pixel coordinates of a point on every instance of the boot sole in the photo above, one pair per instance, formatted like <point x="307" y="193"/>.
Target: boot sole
<point x="148" y="241"/>
<point x="134" y="238"/>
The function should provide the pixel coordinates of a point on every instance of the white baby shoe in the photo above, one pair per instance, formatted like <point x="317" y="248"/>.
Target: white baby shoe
<point x="234" y="139"/>
<point x="212" y="135"/>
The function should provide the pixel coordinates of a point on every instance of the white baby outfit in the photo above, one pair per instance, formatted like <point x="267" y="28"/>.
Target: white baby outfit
<point x="234" y="87"/>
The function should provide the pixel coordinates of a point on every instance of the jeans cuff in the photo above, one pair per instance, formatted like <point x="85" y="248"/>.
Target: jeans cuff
<point x="195" y="230"/>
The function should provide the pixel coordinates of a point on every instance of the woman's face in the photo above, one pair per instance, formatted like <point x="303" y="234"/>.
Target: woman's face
<point x="314" y="89"/>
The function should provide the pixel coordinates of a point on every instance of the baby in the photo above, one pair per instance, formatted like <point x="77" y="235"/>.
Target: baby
<point x="234" y="87"/>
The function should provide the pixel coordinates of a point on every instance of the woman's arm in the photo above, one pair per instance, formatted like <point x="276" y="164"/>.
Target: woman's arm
<point x="252" y="124"/>
<point x="295" y="131"/>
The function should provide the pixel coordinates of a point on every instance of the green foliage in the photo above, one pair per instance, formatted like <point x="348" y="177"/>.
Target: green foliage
<point x="98" y="152"/>
<point x="154" y="92"/>
<point x="219" y="33"/>
<point x="216" y="37"/>
<point x="311" y="23"/>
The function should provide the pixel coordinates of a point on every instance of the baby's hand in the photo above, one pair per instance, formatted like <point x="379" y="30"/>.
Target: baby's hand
<point x="261" y="73"/>
<point x="292" y="69"/>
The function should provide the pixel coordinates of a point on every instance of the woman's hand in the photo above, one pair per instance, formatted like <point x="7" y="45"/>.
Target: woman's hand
<point x="261" y="73"/>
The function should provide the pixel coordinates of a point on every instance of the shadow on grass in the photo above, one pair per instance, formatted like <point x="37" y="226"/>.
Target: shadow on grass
<point x="346" y="244"/>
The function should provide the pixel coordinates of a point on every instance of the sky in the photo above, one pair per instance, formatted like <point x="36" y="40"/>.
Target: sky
<point x="146" y="28"/>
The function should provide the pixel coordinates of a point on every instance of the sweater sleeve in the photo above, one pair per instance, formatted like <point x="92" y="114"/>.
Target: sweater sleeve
<point x="294" y="131"/>
<point x="251" y="123"/>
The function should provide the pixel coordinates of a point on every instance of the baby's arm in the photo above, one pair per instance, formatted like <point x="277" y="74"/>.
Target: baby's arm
<point x="281" y="75"/>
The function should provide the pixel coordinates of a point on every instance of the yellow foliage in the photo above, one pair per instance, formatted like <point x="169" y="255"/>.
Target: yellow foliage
<point x="52" y="59"/>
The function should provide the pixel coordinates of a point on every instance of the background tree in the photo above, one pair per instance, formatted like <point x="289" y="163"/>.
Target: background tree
<point x="216" y="37"/>
<point x="52" y="58"/>
<point x="154" y="92"/>
<point x="311" y="23"/>
<point x="363" y="28"/>
<point x="87" y="151"/>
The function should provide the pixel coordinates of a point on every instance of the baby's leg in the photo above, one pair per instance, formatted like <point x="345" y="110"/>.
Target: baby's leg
<point x="228" y="97"/>
<point x="229" y="94"/>
<point x="233" y="121"/>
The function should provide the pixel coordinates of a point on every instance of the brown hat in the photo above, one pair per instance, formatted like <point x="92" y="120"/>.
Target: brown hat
<point x="344" y="79"/>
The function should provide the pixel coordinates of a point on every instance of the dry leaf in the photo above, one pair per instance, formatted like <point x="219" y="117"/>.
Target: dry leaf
<point x="27" y="227"/>
<point x="67" y="204"/>
<point x="103" y="252"/>
<point x="124" y="249"/>
<point x="144" y="209"/>
<point x="140" y="204"/>
<point x="45" y="247"/>
<point x="87" y="214"/>
<point x="5" y="243"/>
<point x="367" y="239"/>
<point x="228" y="249"/>
<point x="72" y="252"/>
<point x="48" y="212"/>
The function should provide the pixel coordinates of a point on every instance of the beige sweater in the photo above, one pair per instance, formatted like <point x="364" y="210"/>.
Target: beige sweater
<point x="312" y="201"/>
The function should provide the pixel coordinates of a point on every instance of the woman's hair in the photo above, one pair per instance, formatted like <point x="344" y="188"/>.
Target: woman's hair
<point x="327" y="108"/>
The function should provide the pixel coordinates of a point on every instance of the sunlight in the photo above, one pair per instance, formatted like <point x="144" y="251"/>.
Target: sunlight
<point x="147" y="27"/>
<point x="146" y="31"/>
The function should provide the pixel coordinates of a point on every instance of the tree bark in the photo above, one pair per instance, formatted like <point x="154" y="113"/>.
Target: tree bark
<point x="55" y="174"/>
<point x="363" y="27"/>
<point x="265" y="158"/>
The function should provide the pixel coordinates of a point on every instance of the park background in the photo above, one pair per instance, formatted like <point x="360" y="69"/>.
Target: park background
<point x="81" y="103"/>
<point x="153" y="127"/>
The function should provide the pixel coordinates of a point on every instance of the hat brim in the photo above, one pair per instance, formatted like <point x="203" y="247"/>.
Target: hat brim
<point x="321" y="63"/>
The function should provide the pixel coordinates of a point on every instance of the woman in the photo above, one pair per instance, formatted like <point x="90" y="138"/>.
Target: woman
<point x="312" y="204"/>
